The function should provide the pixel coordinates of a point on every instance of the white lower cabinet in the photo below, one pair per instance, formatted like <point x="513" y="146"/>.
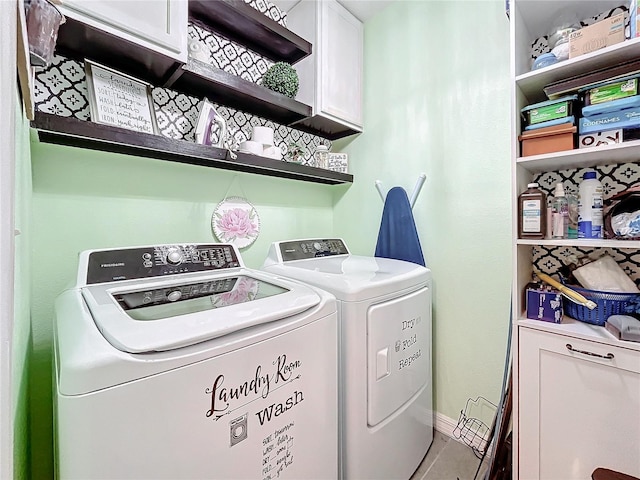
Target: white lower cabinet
<point x="159" y="25"/>
<point x="579" y="407"/>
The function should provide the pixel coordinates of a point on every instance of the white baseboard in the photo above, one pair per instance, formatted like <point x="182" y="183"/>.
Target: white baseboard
<point x="444" y="424"/>
<point x="447" y="426"/>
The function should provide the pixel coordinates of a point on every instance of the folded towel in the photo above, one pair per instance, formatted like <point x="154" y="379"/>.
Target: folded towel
<point x="398" y="236"/>
<point x="605" y="274"/>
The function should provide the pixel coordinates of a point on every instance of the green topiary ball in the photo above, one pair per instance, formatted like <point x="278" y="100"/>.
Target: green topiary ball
<point x="282" y="78"/>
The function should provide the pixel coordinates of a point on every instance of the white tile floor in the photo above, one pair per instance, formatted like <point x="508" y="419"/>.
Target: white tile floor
<point x="448" y="459"/>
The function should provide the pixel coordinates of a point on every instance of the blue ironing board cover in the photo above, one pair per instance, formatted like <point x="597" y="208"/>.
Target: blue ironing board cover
<point x="398" y="236"/>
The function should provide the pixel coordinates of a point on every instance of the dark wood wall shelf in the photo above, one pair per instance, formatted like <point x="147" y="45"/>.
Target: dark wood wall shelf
<point x="78" y="40"/>
<point x="231" y="18"/>
<point x="324" y="127"/>
<point x="73" y="132"/>
<point x="245" y="25"/>
<point x="203" y="80"/>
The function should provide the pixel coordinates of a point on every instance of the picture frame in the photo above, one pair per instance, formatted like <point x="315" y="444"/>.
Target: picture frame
<point x="210" y="122"/>
<point x="119" y="99"/>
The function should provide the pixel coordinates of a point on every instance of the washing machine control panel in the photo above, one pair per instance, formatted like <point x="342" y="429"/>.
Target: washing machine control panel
<point x="157" y="261"/>
<point x="312" y="248"/>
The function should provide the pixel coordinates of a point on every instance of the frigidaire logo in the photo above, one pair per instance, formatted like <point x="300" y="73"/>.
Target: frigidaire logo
<point x="107" y="265"/>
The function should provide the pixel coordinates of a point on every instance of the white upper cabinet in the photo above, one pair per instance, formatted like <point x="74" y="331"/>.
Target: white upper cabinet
<point x="331" y="77"/>
<point x="159" y="25"/>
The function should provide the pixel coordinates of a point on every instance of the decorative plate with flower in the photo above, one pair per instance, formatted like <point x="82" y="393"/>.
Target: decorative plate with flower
<point x="236" y="221"/>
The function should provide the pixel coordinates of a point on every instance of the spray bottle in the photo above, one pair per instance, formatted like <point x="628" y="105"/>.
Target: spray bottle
<point x="560" y="213"/>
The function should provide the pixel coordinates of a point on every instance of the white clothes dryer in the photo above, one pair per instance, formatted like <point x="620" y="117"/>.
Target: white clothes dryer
<point x="177" y="362"/>
<point x="384" y="315"/>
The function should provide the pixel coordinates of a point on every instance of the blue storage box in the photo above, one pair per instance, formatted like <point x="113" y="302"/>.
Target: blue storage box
<point x="629" y="118"/>
<point x="612" y="106"/>
<point x="610" y="90"/>
<point x="545" y="305"/>
<point x="549" y="113"/>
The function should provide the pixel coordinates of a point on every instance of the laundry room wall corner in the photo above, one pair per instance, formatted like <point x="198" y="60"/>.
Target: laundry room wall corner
<point x="436" y="98"/>
<point x="15" y="203"/>
<point x="22" y="304"/>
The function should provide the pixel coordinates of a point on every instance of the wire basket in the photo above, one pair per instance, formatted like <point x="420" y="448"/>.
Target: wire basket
<point x="608" y="303"/>
<point x="471" y="430"/>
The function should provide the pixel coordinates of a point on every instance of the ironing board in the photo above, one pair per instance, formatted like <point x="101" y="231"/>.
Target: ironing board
<point x="398" y="236"/>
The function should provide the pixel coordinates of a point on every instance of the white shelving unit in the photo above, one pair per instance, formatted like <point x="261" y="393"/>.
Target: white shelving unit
<point x="573" y="410"/>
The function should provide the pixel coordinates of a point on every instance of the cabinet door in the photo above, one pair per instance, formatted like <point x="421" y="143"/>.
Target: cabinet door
<point x="341" y="52"/>
<point x="160" y="25"/>
<point x="577" y="412"/>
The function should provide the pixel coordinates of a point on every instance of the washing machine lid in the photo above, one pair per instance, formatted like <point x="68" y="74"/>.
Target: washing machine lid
<point x="354" y="278"/>
<point x="152" y="315"/>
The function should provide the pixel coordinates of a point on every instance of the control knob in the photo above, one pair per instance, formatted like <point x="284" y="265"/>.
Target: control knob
<point x="174" y="257"/>
<point x="174" y="295"/>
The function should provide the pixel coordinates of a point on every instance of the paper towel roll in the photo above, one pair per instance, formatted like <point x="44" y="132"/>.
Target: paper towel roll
<point x="263" y="135"/>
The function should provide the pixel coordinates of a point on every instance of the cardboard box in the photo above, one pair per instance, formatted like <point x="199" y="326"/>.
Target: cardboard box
<point x="602" y="34"/>
<point x="544" y="305"/>
<point x="548" y="139"/>
<point x="597" y="139"/>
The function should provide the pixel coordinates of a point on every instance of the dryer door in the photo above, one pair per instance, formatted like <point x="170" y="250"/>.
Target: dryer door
<point x="398" y="352"/>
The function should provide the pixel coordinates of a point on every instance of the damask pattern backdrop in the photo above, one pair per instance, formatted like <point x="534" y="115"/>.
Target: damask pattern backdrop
<point x="270" y="10"/>
<point x="615" y="179"/>
<point x="61" y="89"/>
<point x="230" y="56"/>
<point x="227" y="55"/>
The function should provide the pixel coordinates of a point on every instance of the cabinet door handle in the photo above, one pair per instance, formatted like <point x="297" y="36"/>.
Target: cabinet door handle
<point x="608" y="356"/>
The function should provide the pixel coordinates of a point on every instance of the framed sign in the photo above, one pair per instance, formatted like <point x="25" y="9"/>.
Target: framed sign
<point x="120" y="100"/>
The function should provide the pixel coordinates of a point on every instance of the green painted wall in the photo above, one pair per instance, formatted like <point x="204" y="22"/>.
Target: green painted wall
<point x="85" y="199"/>
<point x="436" y="100"/>
<point x="21" y="347"/>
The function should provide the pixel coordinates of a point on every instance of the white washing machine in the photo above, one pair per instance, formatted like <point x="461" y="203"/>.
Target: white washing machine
<point x="384" y="314"/>
<point x="177" y="362"/>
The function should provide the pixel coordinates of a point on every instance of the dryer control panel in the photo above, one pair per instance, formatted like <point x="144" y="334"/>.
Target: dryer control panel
<point x="312" y="248"/>
<point x="160" y="260"/>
